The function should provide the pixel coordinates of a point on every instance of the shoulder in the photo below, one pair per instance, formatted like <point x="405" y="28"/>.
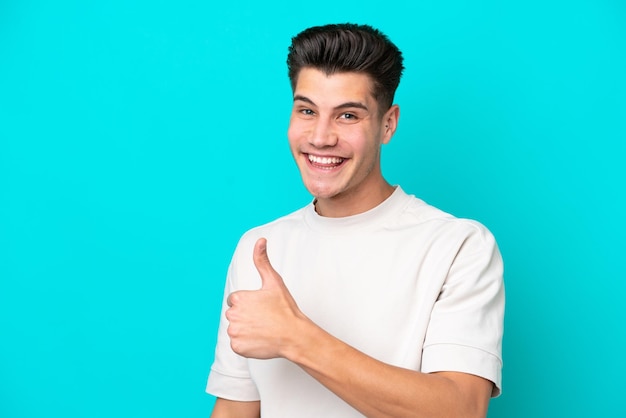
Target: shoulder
<point x="242" y="272"/>
<point x="277" y="227"/>
<point x="275" y="231"/>
<point x="441" y="225"/>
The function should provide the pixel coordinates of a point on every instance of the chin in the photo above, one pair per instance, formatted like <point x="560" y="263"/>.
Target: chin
<point x="321" y="192"/>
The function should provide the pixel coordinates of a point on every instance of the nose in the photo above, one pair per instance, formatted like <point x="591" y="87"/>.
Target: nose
<point x="323" y="134"/>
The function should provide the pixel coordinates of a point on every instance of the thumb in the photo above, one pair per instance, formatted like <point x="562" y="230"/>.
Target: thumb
<point x="269" y="276"/>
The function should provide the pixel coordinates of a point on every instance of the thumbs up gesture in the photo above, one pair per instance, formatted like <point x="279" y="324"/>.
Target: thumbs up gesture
<point x="262" y="322"/>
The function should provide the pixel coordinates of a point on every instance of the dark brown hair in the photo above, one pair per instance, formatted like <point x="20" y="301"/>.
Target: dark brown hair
<point x="348" y="48"/>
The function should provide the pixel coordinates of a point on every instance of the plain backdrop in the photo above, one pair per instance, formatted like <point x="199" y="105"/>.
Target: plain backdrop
<point x="139" y="139"/>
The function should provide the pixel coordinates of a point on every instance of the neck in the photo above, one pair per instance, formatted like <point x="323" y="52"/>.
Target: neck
<point x="349" y="204"/>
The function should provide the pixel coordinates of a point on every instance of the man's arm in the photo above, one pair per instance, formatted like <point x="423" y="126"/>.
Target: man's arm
<point x="377" y="389"/>
<point x="234" y="409"/>
<point x="267" y="324"/>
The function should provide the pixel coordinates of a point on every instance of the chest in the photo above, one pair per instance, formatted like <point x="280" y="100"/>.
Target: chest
<point x="371" y="291"/>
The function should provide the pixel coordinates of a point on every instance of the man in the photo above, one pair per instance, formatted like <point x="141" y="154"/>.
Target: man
<point x="368" y="301"/>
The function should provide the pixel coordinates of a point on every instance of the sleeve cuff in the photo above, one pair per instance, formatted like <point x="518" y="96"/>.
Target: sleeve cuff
<point x="464" y="359"/>
<point x="231" y="387"/>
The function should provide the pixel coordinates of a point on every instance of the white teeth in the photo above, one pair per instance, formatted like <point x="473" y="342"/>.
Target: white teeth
<point x="325" y="160"/>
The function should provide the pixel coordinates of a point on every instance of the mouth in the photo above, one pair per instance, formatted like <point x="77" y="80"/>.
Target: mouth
<point x="324" y="163"/>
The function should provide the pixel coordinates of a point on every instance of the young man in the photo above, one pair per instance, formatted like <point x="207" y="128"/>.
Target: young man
<point x="368" y="301"/>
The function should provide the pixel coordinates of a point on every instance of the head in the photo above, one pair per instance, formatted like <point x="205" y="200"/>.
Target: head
<point x="345" y="48"/>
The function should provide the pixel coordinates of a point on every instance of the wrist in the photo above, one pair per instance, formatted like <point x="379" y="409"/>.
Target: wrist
<point x="303" y="339"/>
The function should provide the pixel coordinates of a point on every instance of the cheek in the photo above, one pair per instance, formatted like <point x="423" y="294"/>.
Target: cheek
<point x="294" y="130"/>
<point x="367" y="148"/>
<point x="291" y="133"/>
<point x="291" y="138"/>
<point x="297" y="132"/>
<point x="357" y="141"/>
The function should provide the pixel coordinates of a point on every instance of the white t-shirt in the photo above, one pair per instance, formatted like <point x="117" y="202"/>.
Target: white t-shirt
<point x="403" y="282"/>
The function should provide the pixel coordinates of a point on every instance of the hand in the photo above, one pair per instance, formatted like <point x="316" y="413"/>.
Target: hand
<point x="262" y="322"/>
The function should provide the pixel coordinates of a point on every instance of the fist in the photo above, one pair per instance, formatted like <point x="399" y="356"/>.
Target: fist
<point x="262" y="323"/>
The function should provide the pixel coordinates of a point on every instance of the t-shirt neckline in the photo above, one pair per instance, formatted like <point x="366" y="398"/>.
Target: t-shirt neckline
<point x="373" y="217"/>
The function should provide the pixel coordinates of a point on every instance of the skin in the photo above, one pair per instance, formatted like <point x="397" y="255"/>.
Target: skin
<point x="337" y="118"/>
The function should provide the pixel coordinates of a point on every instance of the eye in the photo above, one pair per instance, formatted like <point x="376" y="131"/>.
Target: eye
<point x="349" y="117"/>
<point x="306" y="112"/>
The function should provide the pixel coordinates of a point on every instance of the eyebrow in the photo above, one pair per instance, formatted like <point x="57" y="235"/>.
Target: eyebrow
<point x="345" y="105"/>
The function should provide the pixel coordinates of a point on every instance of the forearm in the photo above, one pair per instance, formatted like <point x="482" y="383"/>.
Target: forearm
<point x="225" y="408"/>
<point x="377" y="389"/>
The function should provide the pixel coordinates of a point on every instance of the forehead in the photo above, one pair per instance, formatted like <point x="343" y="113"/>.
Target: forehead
<point x="335" y="88"/>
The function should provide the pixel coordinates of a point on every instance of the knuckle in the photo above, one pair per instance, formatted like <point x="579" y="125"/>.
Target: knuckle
<point x="236" y="346"/>
<point x="232" y="331"/>
<point x="234" y="298"/>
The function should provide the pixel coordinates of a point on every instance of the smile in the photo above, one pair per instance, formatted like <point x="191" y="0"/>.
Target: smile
<point x="327" y="161"/>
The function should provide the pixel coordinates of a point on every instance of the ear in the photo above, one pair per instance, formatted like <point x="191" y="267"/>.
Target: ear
<point x="390" y="123"/>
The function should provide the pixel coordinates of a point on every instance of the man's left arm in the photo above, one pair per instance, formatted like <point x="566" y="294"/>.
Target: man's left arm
<point x="267" y="323"/>
<point x="378" y="389"/>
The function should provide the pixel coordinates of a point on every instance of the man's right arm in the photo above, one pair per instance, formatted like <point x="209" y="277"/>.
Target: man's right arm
<point x="225" y="408"/>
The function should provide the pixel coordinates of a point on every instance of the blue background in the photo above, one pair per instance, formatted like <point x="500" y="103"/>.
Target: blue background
<point x="139" y="139"/>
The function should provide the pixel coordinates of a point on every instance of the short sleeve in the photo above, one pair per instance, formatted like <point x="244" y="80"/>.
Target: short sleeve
<point x="229" y="377"/>
<point x="466" y="325"/>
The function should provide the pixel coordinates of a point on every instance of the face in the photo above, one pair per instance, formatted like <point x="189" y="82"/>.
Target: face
<point x="335" y="133"/>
